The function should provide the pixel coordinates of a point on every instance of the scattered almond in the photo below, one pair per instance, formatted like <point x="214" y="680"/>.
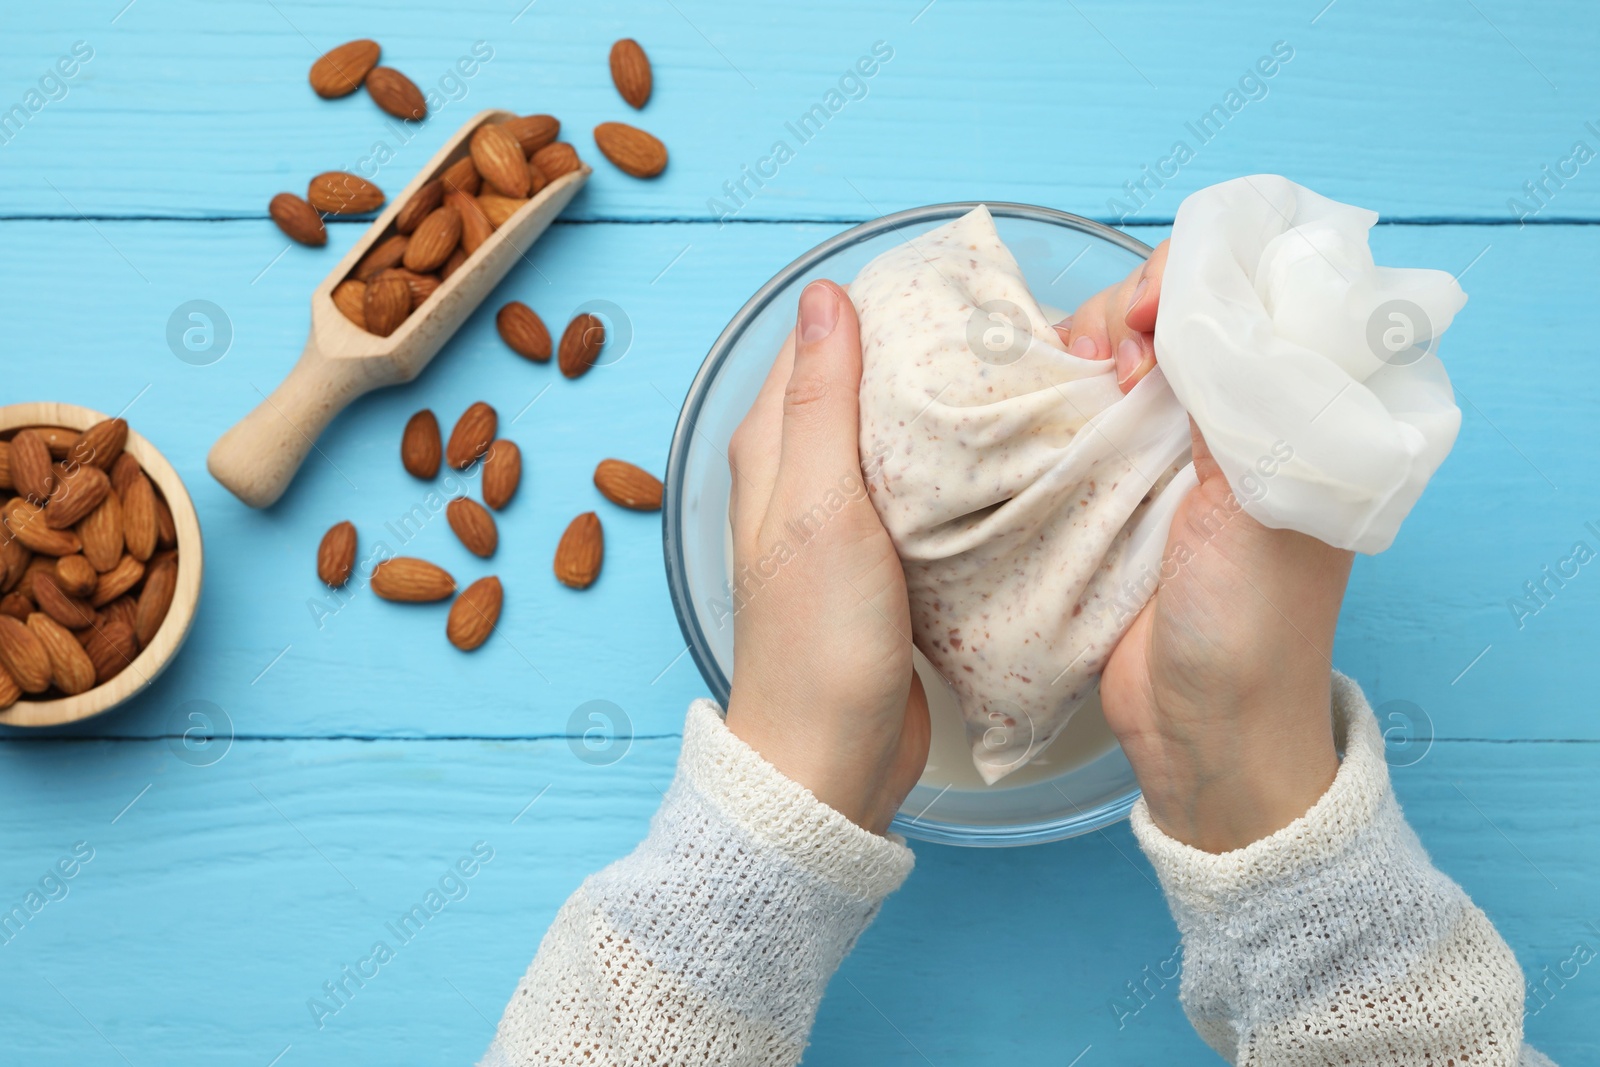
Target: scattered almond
<point x="340" y="71"/>
<point x="420" y="447"/>
<point x="118" y="580"/>
<point x="632" y="487"/>
<point x="336" y="556"/>
<point x="70" y="666"/>
<point x="160" y="582"/>
<point x="396" y="93"/>
<point x="580" y="552"/>
<point x="473" y="434"/>
<point x="581" y="343"/>
<point x="433" y="240"/>
<point x="630" y="72"/>
<point x="474" y="614"/>
<point x="23" y="655"/>
<point x="388" y="302"/>
<point x="390" y="252"/>
<point x="556" y="159"/>
<point x="338" y="192"/>
<point x="502" y="473"/>
<point x="533" y="132"/>
<point x="500" y="160"/>
<point x="101" y="444"/>
<point x="350" y="297"/>
<point x="523" y="331"/>
<point x="298" y="220"/>
<point x="473" y="525"/>
<point x="634" y="151"/>
<point x="411" y="580"/>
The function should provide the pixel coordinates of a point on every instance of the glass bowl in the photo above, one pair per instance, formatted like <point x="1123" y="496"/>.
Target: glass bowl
<point x="1065" y="259"/>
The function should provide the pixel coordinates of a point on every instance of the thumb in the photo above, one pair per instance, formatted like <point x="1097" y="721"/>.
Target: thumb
<point x="821" y="403"/>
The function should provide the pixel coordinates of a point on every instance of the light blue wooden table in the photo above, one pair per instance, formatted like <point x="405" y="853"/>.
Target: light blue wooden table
<point x="227" y="886"/>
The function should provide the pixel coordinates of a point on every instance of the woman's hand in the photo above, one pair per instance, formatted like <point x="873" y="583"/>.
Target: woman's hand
<point x="823" y="685"/>
<point x="1220" y="691"/>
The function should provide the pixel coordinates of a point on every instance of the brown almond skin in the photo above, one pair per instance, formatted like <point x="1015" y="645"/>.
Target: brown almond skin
<point x="340" y="71"/>
<point x="633" y="150"/>
<point x="500" y="160"/>
<point x="17" y="606"/>
<point x="160" y="581"/>
<point x="422" y="204"/>
<point x="27" y="523"/>
<point x="76" y="576"/>
<point x="420" y="445"/>
<point x="166" y="528"/>
<point x="411" y="580"/>
<point x="556" y="159"/>
<point x="336" y="556"/>
<point x="70" y="666"/>
<point x="474" y="526"/>
<point x="473" y="433"/>
<point x="111" y="647"/>
<point x="58" y="439"/>
<point x="100" y="531"/>
<point x="5" y="465"/>
<point x="72" y="612"/>
<point x="32" y="472"/>
<point x="462" y="177"/>
<point x="101" y="444"/>
<point x="128" y="573"/>
<point x="39" y="565"/>
<point x="533" y="132"/>
<point x="125" y="609"/>
<point x="523" y="331"/>
<point x="581" y="343"/>
<point x="475" y="225"/>
<point x="630" y="72"/>
<point x="580" y="552"/>
<point x="389" y="252"/>
<point x="139" y="518"/>
<point x="536" y="179"/>
<point x="421" y="286"/>
<point x="14" y="560"/>
<point x="123" y="472"/>
<point x="298" y="220"/>
<point x="350" y="297"/>
<point x="10" y="691"/>
<point x="396" y="93"/>
<point x="338" y="192"/>
<point x="434" y="240"/>
<point x="387" y="305"/>
<point x="79" y="491"/>
<point x="458" y="257"/>
<point x="23" y="655"/>
<point x="629" y="486"/>
<point x="474" y="614"/>
<point x="502" y="473"/>
<point x="499" y="209"/>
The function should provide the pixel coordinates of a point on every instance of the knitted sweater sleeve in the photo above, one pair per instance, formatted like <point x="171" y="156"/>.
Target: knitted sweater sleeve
<point x="1336" y="940"/>
<point x="713" y="941"/>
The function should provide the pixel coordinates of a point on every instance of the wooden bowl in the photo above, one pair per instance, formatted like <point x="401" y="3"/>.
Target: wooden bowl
<point x="152" y="659"/>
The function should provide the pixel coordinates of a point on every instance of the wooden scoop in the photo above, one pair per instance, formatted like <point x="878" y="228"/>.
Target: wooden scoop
<point x="259" y="456"/>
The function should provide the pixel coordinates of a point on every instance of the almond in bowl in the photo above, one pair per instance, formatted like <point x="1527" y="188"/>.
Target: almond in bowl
<point x="100" y="563"/>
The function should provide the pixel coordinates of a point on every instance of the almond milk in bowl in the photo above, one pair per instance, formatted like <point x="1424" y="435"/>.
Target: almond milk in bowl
<point x="1081" y="781"/>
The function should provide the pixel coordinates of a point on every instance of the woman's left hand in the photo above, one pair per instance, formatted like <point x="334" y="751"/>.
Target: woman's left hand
<point x="823" y="685"/>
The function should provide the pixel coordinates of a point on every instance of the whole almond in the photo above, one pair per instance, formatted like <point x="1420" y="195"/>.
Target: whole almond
<point x="298" y="220"/>
<point x="581" y="551"/>
<point x="58" y="439"/>
<point x="27" y="523"/>
<point x="475" y="225"/>
<point x="502" y="473"/>
<point x="100" y="531"/>
<point x="123" y="471"/>
<point x="422" y="204"/>
<point x="396" y="93"/>
<point x="70" y="666"/>
<point x="473" y="525"/>
<point x="350" y="297"/>
<point x="78" y="492"/>
<point x="338" y="192"/>
<point x="389" y="252"/>
<point x="499" y="209"/>
<point x="340" y="71"/>
<point x="434" y="240"/>
<point x="462" y="177"/>
<point x="634" y="151"/>
<point x="101" y="444"/>
<point x="387" y="305"/>
<point x="500" y="160"/>
<point x="17" y="606"/>
<point x="536" y="179"/>
<point x="166" y="528"/>
<point x="76" y="576"/>
<point x="630" y="72"/>
<point x="556" y="159"/>
<point x="420" y="446"/>
<point x="160" y="581"/>
<point x="72" y="612"/>
<point x="533" y="132"/>
<point x="632" y="487"/>
<point x="458" y="257"/>
<point x="14" y="560"/>
<point x="10" y="691"/>
<point x="5" y="465"/>
<point x="23" y="655"/>
<point x="111" y="647"/>
<point x="124" y="609"/>
<point x="37" y="566"/>
<point x="474" y="614"/>
<point x="474" y="432"/>
<point x="139" y="518"/>
<point x="581" y="343"/>
<point x="118" y="580"/>
<point x="336" y="556"/>
<point x="421" y="286"/>
<point x="523" y="331"/>
<point x="411" y="580"/>
<point x="32" y="472"/>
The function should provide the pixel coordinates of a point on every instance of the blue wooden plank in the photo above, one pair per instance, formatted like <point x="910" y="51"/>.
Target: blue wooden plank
<point x="220" y="901"/>
<point x="1430" y="109"/>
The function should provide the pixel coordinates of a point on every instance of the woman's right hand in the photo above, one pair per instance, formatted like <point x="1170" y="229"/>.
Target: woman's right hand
<point x="1220" y="691"/>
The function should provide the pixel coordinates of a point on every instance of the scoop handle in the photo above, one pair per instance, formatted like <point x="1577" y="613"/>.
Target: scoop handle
<point x="259" y="456"/>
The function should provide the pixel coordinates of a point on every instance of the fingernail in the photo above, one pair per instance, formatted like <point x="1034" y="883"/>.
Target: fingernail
<point x="1138" y="291"/>
<point x="1065" y="325"/>
<point x="1129" y="356"/>
<point x="1085" y="348"/>
<point x="819" y="312"/>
